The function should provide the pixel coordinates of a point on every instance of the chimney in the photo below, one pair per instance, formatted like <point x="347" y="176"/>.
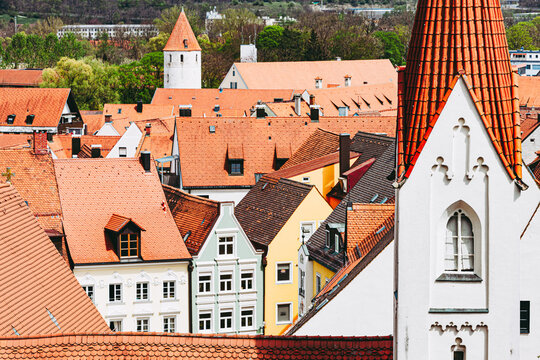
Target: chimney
<point x="40" y="143"/>
<point x="344" y="153"/>
<point x="108" y="118"/>
<point x="139" y="106"/>
<point x="96" y="151"/>
<point x="318" y="83"/>
<point x="314" y="113"/>
<point x="311" y="99"/>
<point x="75" y="146"/>
<point x="347" y="80"/>
<point x="148" y="128"/>
<point x="145" y="160"/>
<point x="297" y="104"/>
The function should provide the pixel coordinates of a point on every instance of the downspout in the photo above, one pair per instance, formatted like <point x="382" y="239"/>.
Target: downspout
<point x="190" y="294"/>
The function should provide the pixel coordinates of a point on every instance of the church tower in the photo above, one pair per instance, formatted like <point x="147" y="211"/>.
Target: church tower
<point x="460" y="188"/>
<point x="182" y="57"/>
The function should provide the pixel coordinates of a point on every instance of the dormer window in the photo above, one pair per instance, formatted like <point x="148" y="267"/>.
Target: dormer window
<point x="10" y="119"/>
<point x="185" y="44"/>
<point x="125" y="236"/>
<point x="129" y="245"/>
<point x="235" y="159"/>
<point x="236" y="166"/>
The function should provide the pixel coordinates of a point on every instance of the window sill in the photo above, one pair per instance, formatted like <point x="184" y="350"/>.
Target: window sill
<point x="284" y="323"/>
<point x="168" y="300"/>
<point x="459" y="277"/>
<point x="145" y="301"/>
<point x="231" y="292"/>
<point x="248" y="291"/>
<point x="283" y="282"/>
<point x="116" y="303"/>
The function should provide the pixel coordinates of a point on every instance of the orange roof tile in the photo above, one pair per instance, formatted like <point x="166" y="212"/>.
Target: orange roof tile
<point x="153" y="346"/>
<point x="319" y="143"/>
<point x="193" y="215"/>
<point x="34" y="178"/>
<point x="302" y="74"/>
<point x="46" y="104"/>
<point x="118" y="222"/>
<point x="529" y="123"/>
<point x="529" y="91"/>
<point x="62" y="144"/>
<point x="35" y="283"/>
<point x="231" y="102"/>
<point x="14" y="141"/>
<point x="286" y="108"/>
<point x="123" y="114"/>
<point x="160" y="140"/>
<point x="93" y="120"/>
<point x="466" y="39"/>
<point x="20" y="77"/>
<point x="203" y="154"/>
<point x="182" y="37"/>
<point x="114" y="186"/>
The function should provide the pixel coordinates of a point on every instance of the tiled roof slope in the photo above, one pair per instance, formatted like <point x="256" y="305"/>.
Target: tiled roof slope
<point x="359" y="99"/>
<point x="203" y="154"/>
<point x="182" y="32"/>
<point x="453" y="39"/>
<point x="376" y="181"/>
<point x="160" y="140"/>
<point x="62" y="144"/>
<point x="15" y="141"/>
<point x="268" y="206"/>
<point x="302" y="74"/>
<point x="192" y="214"/>
<point x="34" y="178"/>
<point x="231" y="102"/>
<point x="319" y="143"/>
<point x="93" y="120"/>
<point x="123" y="114"/>
<point x="151" y="346"/>
<point x="20" y="77"/>
<point x="529" y="91"/>
<point x="92" y="190"/>
<point x="46" y="104"/>
<point x="35" y="280"/>
<point x="535" y="167"/>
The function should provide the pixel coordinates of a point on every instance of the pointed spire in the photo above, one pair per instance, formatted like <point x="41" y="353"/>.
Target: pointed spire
<point x="452" y="39"/>
<point x="182" y="37"/>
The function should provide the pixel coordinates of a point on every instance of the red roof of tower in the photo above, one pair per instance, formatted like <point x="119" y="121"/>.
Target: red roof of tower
<point x="453" y="39"/>
<point x="182" y="37"/>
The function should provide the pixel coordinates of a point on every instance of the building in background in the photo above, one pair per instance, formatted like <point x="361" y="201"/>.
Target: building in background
<point x="93" y="32"/>
<point x="527" y="61"/>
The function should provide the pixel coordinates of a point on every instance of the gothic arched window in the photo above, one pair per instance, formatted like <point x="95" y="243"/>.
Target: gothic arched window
<point x="459" y="249"/>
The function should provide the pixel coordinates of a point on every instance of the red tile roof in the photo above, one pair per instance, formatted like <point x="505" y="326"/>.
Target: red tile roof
<point x="20" y="77"/>
<point x="114" y="186"/>
<point x="36" y="284"/>
<point x="182" y="37"/>
<point x="118" y="222"/>
<point x="46" y="104"/>
<point x="160" y="140"/>
<point x="93" y="120"/>
<point x="529" y="91"/>
<point x="15" y="141"/>
<point x="302" y="74"/>
<point x="203" y="154"/>
<point x="62" y="144"/>
<point x="535" y="166"/>
<point x="152" y="346"/>
<point x="123" y="114"/>
<point x="451" y="40"/>
<point x="529" y="123"/>
<point x="319" y="143"/>
<point x="34" y="178"/>
<point x="231" y="102"/>
<point x="193" y="215"/>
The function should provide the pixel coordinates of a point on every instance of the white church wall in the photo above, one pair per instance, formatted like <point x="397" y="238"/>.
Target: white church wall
<point x="182" y="69"/>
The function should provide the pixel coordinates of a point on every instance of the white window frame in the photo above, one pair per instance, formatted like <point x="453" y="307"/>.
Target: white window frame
<point x="142" y="327"/>
<point x="313" y="224"/>
<point x="290" y="272"/>
<point x="90" y="291"/>
<point x="117" y="321"/>
<point x="247" y="271"/>
<point x="167" y="323"/>
<point x="209" y="283"/>
<point x="147" y="298"/>
<point x="460" y="256"/>
<point x="166" y="291"/>
<point x="290" y="313"/>
<point x="337" y="248"/>
<point x="210" y="321"/>
<point x="221" y="329"/>
<point x="328" y="242"/>
<point x="121" y="293"/>
<point x="231" y="273"/>
<point x="122" y="151"/>
<point x="247" y="308"/>
<point x="233" y="243"/>
<point x="318" y="283"/>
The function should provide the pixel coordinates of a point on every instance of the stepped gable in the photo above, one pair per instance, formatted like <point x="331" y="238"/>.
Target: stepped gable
<point x="453" y="39"/>
<point x="182" y="37"/>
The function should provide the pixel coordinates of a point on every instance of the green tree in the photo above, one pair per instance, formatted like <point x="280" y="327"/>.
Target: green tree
<point x="521" y="36"/>
<point x="314" y="49"/>
<point x="157" y="43"/>
<point x="46" y="26"/>
<point x="393" y="47"/>
<point x="165" y="23"/>
<point x="140" y="79"/>
<point x="92" y="82"/>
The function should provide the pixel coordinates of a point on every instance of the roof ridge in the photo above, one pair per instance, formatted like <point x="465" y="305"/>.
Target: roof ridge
<point x="191" y="196"/>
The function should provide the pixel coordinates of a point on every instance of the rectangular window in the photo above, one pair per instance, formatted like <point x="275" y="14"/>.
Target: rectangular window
<point x="328" y="242"/>
<point x="225" y="319"/>
<point x="122" y="151"/>
<point x="343" y="111"/>
<point x="169" y="324"/>
<point x="236" y="167"/>
<point x="115" y="325"/>
<point x="142" y="325"/>
<point x="225" y="282"/>
<point x="336" y="243"/>
<point x="141" y="291"/>
<point x="115" y="292"/>
<point x="283" y="273"/>
<point x="318" y="283"/>
<point x="302" y="285"/>
<point x="204" y="283"/>
<point x="459" y="355"/>
<point x="89" y="290"/>
<point x="246" y="318"/>
<point x="169" y="290"/>
<point x="226" y="245"/>
<point x="129" y="245"/>
<point x="524" y="317"/>
<point x="205" y="321"/>
<point x="283" y="315"/>
<point x="246" y="280"/>
<point x="306" y="230"/>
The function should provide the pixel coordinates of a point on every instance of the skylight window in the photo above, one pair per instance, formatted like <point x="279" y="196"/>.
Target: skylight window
<point x="53" y="318"/>
<point x="374" y="198"/>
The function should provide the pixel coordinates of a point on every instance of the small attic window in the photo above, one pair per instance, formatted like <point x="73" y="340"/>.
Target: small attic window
<point x="10" y="118"/>
<point x="185" y="44"/>
<point x="119" y="110"/>
<point x="216" y="108"/>
<point x="129" y="245"/>
<point x="236" y="166"/>
<point x="212" y="129"/>
<point x="126" y="236"/>
<point x="30" y="119"/>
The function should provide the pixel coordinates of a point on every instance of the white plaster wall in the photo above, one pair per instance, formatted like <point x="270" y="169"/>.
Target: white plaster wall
<point x="226" y="83"/>
<point x="306" y="266"/>
<point x="130" y="140"/>
<point x="182" y="74"/>
<point x="129" y="309"/>
<point x="107" y="130"/>
<point x="363" y="308"/>
<point x="234" y="195"/>
<point x="502" y="212"/>
<point x="531" y="145"/>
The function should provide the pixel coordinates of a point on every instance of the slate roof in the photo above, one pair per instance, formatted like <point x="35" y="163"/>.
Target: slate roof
<point x="268" y="206"/>
<point x="203" y="154"/>
<point x="153" y="346"/>
<point x="35" y="280"/>
<point x="529" y="91"/>
<point x="35" y="181"/>
<point x="194" y="216"/>
<point x="20" y="77"/>
<point x="451" y="40"/>
<point x="46" y="104"/>
<point x="302" y="74"/>
<point x="376" y="181"/>
<point x="182" y="37"/>
<point x="92" y="190"/>
<point x="231" y="102"/>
